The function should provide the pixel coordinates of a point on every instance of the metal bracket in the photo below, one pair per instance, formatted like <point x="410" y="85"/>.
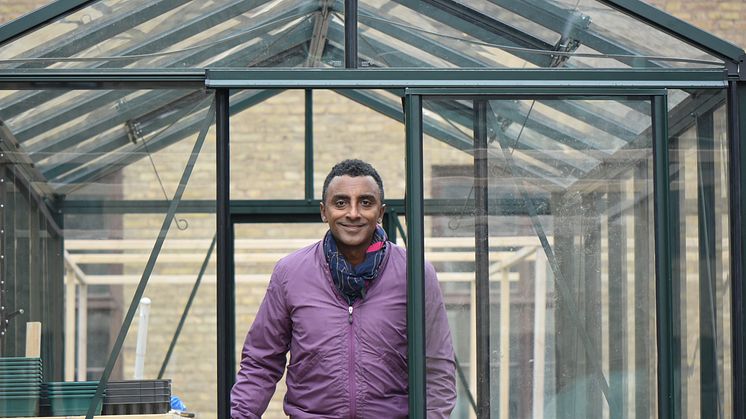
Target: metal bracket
<point x="320" y="31"/>
<point x="736" y="69"/>
<point x="134" y="131"/>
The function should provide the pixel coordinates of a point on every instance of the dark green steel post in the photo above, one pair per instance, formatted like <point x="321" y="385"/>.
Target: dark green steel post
<point x="737" y="193"/>
<point x="225" y="281"/>
<point x="482" y="261"/>
<point x="351" y="7"/>
<point x="709" y="394"/>
<point x="678" y="269"/>
<point x="150" y="265"/>
<point x="414" y="204"/>
<point x="309" y="145"/>
<point x="389" y="225"/>
<point x="664" y="297"/>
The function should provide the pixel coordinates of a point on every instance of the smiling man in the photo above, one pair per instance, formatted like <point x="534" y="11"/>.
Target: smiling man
<point x="339" y="308"/>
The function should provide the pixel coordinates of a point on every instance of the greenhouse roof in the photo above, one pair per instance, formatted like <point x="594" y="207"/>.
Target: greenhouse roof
<point x="104" y="49"/>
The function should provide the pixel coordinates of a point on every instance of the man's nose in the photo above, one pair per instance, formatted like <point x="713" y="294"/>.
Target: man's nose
<point x="354" y="211"/>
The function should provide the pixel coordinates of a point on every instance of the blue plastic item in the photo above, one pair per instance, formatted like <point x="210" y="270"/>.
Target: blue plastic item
<point x="177" y="404"/>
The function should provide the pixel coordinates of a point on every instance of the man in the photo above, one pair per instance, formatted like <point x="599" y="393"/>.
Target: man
<point x="339" y="307"/>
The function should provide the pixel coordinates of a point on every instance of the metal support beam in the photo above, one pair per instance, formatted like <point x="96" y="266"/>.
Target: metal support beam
<point x="737" y="195"/>
<point x="309" y="146"/>
<point x="226" y="358"/>
<point x="663" y="290"/>
<point x="539" y="78"/>
<point x="482" y="265"/>
<point x="351" y="34"/>
<point x="709" y="395"/>
<point x="676" y="158"/>
<point x="415" y="258"/>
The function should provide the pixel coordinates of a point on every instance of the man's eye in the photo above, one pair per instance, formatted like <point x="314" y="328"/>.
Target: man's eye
<point x="366" y="203"/>
<point x="339" y="204"/>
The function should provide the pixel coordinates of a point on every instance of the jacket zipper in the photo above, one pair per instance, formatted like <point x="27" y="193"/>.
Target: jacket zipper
<point x="351" y="366"/>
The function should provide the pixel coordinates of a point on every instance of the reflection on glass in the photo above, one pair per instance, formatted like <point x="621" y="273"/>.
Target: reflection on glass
<point x="701" y="277"/>
<point x="569" y="193"/>
<point x="95" y="237"/>
<point x="176" y="34"/>
<point x="510" y="34"/>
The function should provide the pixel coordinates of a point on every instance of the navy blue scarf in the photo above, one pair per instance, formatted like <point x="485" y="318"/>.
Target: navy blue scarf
<point x="352" y="281"/>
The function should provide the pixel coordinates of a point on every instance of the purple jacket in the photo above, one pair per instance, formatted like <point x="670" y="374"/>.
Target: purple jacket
<point x="345" y="362"/>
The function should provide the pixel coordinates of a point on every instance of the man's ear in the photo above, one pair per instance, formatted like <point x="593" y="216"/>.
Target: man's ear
<point x="321" y="211"/>
<point x="380" y="215"/>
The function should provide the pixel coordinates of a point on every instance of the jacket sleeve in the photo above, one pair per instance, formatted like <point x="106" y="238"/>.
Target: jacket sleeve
<point x="440" y="362"/>
<point x="264" y="353"/>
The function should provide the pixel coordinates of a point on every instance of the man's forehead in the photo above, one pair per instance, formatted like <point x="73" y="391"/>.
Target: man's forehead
<point x="358" y="184"/>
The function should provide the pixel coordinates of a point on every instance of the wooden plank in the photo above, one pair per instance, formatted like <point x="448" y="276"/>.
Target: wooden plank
<point x="275" y="244"/>
<point x="185" y="258"/>
<point x="83" y="332"/>
<point x="33" y="339"/>
<point x="70" y="325"/>
<point x="246" y="279"/>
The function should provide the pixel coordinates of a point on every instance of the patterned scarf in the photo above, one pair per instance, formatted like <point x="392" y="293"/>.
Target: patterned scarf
<point x="353" y="281"/>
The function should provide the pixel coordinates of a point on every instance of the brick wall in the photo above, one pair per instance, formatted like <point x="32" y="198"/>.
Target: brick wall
<point x="10" y="10"/>
<point x="724" y="18"/>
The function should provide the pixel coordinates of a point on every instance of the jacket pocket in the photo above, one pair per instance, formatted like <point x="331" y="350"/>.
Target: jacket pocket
<point x="299" y="369"/>
<point x="397" y="364"/>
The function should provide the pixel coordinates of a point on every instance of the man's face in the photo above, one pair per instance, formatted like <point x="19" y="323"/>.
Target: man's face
<point x="353" y="207"/>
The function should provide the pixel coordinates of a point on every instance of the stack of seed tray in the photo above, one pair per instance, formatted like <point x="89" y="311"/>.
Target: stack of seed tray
<point x="137" y="397"/>
<point x="69" y="398"/>
<point x="20" y="386"/>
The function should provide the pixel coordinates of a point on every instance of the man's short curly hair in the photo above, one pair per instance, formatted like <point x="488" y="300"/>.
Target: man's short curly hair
<point x="352" y="168"/>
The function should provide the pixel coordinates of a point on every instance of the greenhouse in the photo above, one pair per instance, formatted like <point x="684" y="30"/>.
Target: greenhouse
<point x="571" y="168"/>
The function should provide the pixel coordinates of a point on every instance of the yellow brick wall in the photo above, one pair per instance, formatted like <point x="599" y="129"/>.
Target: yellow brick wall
<point x="724" y="18"/>
<point x="11" y="9"/>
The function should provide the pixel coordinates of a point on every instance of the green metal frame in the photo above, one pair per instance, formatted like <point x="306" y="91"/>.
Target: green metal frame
<point x="415" y="218"/>
<point x="663" y="268"/>
<point x="415" y="258"/>
<point x="461" y="78"/>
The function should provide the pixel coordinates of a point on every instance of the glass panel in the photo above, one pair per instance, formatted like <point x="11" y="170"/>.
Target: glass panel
<point x="107" y="225"/>
<point x="358" y="124"/>
<point x="75" y="138"/>
<point x="699" y="188"/>
<point x="510" y="34"/>
<point x="267" y="145"/>
<point x="571" y="319"/>
<point x="173" y="34"/>
<point x="258" y="247"/>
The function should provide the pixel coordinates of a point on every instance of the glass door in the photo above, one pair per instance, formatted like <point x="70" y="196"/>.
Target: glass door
<point x="539" y="214"/>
